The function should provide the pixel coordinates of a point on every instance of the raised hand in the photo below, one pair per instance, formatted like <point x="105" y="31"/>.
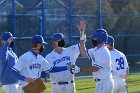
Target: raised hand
<point x="10" y="39"/>
<point x="82" y="25"/>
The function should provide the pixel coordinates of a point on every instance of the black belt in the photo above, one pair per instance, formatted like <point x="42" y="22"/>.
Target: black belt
<point x="97" y="80"/>
<point x="62" y="83"/>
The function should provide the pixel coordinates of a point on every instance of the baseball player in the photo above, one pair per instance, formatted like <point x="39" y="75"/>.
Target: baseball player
<point x="63" y="82"/>
<point x="31" y="64"/>
<point x="120" y="67"/>
<point x="7" y="60"/>
<point x="101" y="62"/>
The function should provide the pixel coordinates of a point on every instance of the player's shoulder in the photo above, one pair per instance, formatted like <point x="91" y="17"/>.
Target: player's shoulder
<point x="117" y="52"/>
<point x="92" y="49"/>
<point x="73" y="46"/>
<point x="40" y="56"/>
<point x="25" y="55"/>
<point x="50" y="54"/>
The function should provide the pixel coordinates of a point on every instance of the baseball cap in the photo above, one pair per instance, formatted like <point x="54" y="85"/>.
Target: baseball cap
<point x="57" y="36"/>
<point x="110" y="40"/>
<point x="38" y="39"/>
<point x="101" y="35"/>
<point x="6" y="35"/>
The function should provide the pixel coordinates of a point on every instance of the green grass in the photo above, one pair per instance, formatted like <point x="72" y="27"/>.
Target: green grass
<point x="88" y="85"/>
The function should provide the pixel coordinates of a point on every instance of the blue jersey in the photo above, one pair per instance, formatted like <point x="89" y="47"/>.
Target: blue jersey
<point x="7" y="60"/>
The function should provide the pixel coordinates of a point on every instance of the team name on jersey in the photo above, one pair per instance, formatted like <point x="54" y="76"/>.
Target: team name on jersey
<point x="35" y="66"/>
<point x="65" y="58"/>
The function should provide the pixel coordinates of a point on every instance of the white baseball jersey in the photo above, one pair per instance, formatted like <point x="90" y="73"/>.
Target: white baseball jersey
<point x="119" y="63"/>
<point x="101" y="59"/>
<point x="31" y="66"/>
<point x="67" y="56"/>
<point x="120" y="66"/>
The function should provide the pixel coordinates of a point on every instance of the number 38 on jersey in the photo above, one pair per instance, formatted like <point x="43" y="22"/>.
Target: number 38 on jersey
<point x="120" y="62"/>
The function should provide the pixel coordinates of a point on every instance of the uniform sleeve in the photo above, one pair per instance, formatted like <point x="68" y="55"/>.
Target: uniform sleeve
<point x="3" y="52"/>
<point x="89" y="54"/>
<point x="46" y="66"/>
<point x="18" y="67"/>
<point x="20" y="64"/>
<point x="75" y="50"/>
<point x="97" y="61"/>
<point x="95" y="58"/>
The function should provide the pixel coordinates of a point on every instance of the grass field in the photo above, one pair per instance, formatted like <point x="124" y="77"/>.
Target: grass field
<point x="88" y="85"/>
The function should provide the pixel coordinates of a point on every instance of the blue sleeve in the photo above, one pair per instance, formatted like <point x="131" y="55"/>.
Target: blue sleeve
<point x="43" y="74"/>
<point x="58" y="69"/>
<point x="18" y="75"/>
<point x="3" y="52"/>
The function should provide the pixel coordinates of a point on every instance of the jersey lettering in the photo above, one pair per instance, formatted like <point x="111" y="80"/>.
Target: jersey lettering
<point x="35" y="66"/>
<point x="120" y="62"/>
<point x="61" y="60"/>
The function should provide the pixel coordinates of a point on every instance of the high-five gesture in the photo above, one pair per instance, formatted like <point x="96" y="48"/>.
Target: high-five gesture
<point x="82" y="25"/>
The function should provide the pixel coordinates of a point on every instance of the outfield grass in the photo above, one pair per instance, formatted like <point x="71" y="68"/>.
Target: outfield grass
<point x="88" y="85"/>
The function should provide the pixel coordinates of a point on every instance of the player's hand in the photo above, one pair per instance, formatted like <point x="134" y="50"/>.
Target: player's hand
<point x="75" y="70"/>
<point x="29" y="80"/>
<point x="69" y="67"/>
<point x="10" y="39"/>
<point x="82" y="25"/>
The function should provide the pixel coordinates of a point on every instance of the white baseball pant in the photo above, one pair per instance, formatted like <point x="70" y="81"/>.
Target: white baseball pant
<point x="11" y="88"/>
<point x="104" y="86"/>
<point x="65" y="88"/>
<point x="119" y="85"/>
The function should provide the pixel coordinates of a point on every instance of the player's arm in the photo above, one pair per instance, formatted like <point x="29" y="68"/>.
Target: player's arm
<point x="21" y="77"/>
<point x="18" y="74"/>
<point x="96" y="66"/>
<point x="3" y="52"/>
<point x="77" y="69"/>
<point x="126" y="67"/>
<point x="57" y="69"/>
<point x="81" y="27"/>
<point x="126" y="76"/>
<point x="16" y="70"/>
<point x="51" y="68"/>
<point x="89" y="69"/>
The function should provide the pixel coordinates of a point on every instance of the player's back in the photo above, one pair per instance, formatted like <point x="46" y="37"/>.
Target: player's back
<point x="119" y="63"/>
<point x="101" y="58"/>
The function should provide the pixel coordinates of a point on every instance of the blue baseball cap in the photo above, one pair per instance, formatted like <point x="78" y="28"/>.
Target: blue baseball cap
<point x="57" y="36"/>
<point x="38" y="39"/>
<point x="110" y="40"/>
<point x="6" y="35"/>
<point x="101" y="35"/>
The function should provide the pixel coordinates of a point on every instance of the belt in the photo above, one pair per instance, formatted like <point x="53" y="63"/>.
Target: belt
<point x="97" y="80"/>
<point x="62" y="83"/>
